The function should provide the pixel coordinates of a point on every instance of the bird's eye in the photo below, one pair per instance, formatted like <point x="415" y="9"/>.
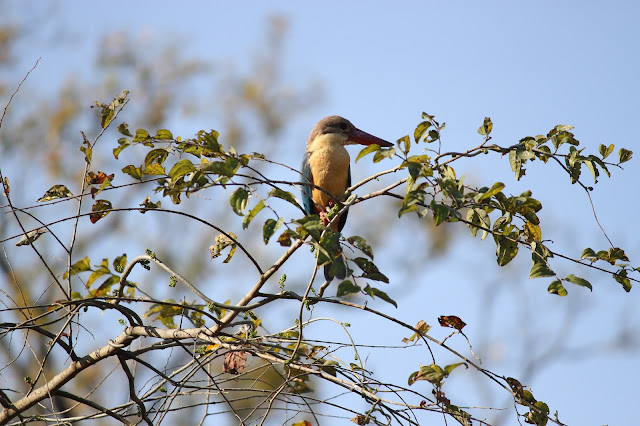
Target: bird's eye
<point x="343" y="126"/>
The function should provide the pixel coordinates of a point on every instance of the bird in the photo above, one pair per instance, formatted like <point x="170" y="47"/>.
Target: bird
<point x="326" y="164"/>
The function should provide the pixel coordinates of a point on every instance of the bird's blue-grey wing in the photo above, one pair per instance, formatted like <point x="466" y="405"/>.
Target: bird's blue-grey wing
<point x="307" y="190"/>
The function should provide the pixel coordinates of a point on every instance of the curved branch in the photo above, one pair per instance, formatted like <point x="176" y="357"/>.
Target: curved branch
<point x="90" y="403"/>
<point x="142" y="209"/>
<point x="66" y="375"/>
<point x="255" y="290"/>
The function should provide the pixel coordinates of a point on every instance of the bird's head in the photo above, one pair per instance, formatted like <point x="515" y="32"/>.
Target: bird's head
<point x="344" y="132"/>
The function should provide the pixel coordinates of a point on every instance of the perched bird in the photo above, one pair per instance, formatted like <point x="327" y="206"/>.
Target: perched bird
<point x="326" y="164"/>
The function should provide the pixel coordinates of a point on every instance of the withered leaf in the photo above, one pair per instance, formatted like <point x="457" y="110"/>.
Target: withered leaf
<point x="451" y="321"/>
<point x="30" y="237"/>
<point x="99" y="210"/>
<point x="234" y="362"/>
<point x="56" y="191"/>
<point x="223" y="241"/>
<point x="360" y="419"/>
<point x="148" y="204"/>
<point x="97" y="178"/>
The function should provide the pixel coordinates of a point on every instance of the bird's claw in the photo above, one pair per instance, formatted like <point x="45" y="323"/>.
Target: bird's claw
<point x="325" y="220"/>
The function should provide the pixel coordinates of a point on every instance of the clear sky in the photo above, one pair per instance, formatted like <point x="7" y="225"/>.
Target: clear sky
<point x="527" y="65"/>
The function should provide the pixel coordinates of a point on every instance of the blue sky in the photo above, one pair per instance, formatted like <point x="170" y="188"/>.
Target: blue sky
<point x="527" y="66"/>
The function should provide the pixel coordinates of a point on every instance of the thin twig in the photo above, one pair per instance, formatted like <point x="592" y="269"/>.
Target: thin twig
<point x="4" y="112"/>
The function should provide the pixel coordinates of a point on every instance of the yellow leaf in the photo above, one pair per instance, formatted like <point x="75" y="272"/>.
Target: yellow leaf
<point x="533" y="232"/>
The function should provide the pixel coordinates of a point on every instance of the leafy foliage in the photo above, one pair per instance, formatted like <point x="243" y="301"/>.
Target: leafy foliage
<point x="290" y="361"/>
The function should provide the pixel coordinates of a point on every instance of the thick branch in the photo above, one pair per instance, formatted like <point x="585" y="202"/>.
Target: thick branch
<point x="59" y="380"/>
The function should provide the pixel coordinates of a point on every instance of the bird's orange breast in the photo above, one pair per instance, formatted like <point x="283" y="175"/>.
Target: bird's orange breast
<point x="329" y="164"/>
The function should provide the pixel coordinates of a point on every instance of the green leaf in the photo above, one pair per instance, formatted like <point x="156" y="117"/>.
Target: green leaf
<point x="370" y="270"/>
<point x="497" y="187"/>
<point x="254" y="211"/>
<point x="408" y="209"/>
<point x="133" y="171"/>
<point x="418" y="166"/>
<point x="540" y="269"/>
<point x="624" y="155"/>
<point x="87" y="151"/>
<point x="506" y="249"/>
<point x="106" y="286"/>
<point x="486" y="127"/>
<point x="106" y="116"/>
<point x="579" y="281"/>
<point x="119" y="263"/>
<point x="311" y="225"/>
<point x="616" y="253"/>
<point x="544" y="155"/>
<point x="432" y="373"/>
<point x="376" y="292"/>
<point x="97" y="274"/>
<point x="411" y="201"/>
<point x="533" y="231"/>
<point x="592" y="168"/>
<point x="449" y="368"/>
<point x="123" y="143"/>
<point x="329" y="367"/>
<point x="384" y="153"/>
<point x="376" y="276"/>
<point x="215" y="167"/>
<point x="516" y="162"/>
<point x="362" y="245"/>
<point x="404" y="143"/>
<point x="123" y="129"/>
<point x="478" y="217"/>
<point x="270" y="227"/>
<point x="155" y="169"/>
<point x="556" y="287"/>
<point x="56" y="191"/>
<point x="538" y="417"/>
<point x="621" y="278"/>
<point x="80" y="266"/>
<point x="181" y="168"/>
<point x="459" y="414"/>
<point x="600" y="163"/>
<point x="163" y="134"/>
<point x="433" y="136"/>
<point x="155" y="156"/>
<point x="564" y="127"/>
<point x="588" y="253"/>
<point x="227" y="168"/>
<point x="420" y="129"/>
<point x="285" y="195"/>
<point x="141" y="136"/>
<point x="440" y="212"/>
<point x="148" y="204"/>
<point x="239" y="200"/>
<point x="605" y="150"/>
<point x="368" y="150"/>
<point x="346" y="288"/>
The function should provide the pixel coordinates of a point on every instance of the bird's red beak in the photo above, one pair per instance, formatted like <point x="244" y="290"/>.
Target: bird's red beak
<point x="364" y="138"/>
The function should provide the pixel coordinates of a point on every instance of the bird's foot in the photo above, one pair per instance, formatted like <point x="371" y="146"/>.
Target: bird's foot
<point x="323" y="217"/>
<point x="323" y="214"/>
